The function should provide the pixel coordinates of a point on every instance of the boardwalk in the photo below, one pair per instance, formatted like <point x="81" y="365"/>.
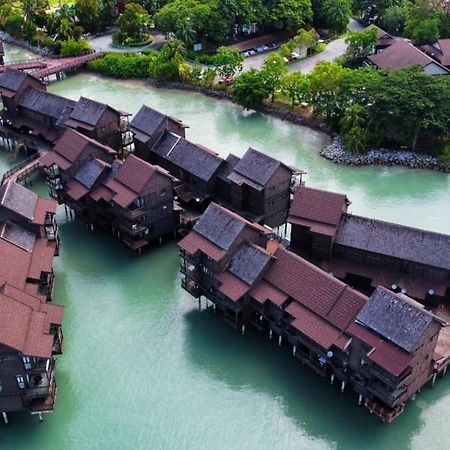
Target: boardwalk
<point x="25" y="169"/>
<point x="43" y="68"/>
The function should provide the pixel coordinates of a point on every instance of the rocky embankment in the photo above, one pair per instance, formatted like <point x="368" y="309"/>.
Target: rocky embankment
<point x="336" y="153"/>
<point x="43" y="51"/>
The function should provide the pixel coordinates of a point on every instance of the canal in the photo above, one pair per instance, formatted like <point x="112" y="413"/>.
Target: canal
<point x="144" y="369"/>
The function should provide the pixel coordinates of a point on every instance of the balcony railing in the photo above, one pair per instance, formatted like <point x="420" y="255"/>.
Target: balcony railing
<point x="386" y="394"/>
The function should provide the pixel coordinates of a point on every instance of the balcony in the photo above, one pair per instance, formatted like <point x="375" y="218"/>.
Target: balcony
<point x="133" y="229"/>
<point x="389" y="396"/>
<point x="191" y="287"/>
<point x="387" y="378"/>
<point x="58" y="342"/>
<point x="40" y="385"/>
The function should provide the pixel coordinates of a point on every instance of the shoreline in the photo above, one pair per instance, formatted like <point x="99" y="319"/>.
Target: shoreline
<point x="334" y="151"/>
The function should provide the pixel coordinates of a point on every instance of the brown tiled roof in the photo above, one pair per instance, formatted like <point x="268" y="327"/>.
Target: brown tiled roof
<point x="401" y="54"/>
<point x="43" y="206"/>
<point x="23" y="329"/>
<point x="101" y="193"/>
<point x="76" y="190"/>
<point x="318" y="209"/>
<point x="444" y="45"/>
<point x="311" y="287"/>
<point x="194" y="242"/>
<point x="41" y="258"/>
<point x="71" y="145"/>
<point x="232" y="286"/>
<point x="386" y="355"/>
<point x="19" y="199"/>
<point x="264" y="291"/>
<point x="313" y="326"/>
<point x="54" y="312"/>
<point x="55" y="158"/>
<point x="135" y="173"/>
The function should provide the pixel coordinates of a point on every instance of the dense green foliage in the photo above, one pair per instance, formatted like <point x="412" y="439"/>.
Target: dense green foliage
<point x="337" y="13"/>
<point x="228" y="61"/>
<point x="420" y="20"/>
<point x="134" y="26"/>
<point x="73" y="47"/>
<point x="215" y="21"/>
<point x="360" y="45"/>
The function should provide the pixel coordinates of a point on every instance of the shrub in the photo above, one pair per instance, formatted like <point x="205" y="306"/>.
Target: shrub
<point x="71" y="47"/>
<point x="123" y="65"/>
<point x="13" y="25"/>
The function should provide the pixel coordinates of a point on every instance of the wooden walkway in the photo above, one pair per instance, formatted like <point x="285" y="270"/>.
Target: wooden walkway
<point x="23" y="170"/>
<point x="43" y="68"/>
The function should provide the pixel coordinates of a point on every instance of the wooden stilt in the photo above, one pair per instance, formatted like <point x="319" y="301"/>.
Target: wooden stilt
<point x="280" y="340"/>
<point x="243" y="330"/>
<point x="332" y="378"/>
<point x="342" y="386"/>
<point x="360" y="399"/>
<point x="5" y="417"/>
<point x="270" y="334"/>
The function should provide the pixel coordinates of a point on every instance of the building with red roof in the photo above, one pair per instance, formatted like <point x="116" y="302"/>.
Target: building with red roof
<point x="382" y="346"/>
<point x="30" y="327"/>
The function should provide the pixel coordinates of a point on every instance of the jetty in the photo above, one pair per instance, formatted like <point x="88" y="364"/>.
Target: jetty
<point x="44" y="68"/>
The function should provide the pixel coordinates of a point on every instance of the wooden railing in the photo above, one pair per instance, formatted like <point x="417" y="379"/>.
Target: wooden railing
<point x="20" y="166"/>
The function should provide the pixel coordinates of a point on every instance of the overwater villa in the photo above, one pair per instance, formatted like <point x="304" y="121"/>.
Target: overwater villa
<point x="366" y="253"/>
<point x="383" y="345"/>
<point x="30" y="110"/>
<point x="30" y="327"/>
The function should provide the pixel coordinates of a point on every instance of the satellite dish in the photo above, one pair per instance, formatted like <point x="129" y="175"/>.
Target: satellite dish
<point x="329" y="354"/>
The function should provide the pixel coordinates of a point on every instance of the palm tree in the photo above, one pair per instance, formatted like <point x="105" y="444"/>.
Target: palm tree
<point x="354" y="117"/>
<point x="185" y="33"/>
<point x="175" y="50"/>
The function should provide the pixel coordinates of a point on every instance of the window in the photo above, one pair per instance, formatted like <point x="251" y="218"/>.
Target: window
<point x="20" y="381"/>
<point x="139" y="202"/>
<point x="26" y="362"/>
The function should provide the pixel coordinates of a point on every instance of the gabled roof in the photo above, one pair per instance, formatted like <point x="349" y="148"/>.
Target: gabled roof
<point x="69" y="147"/>
<point x="397" y="318"/>
<point x="402" y="54"/>
<point x="257" y="167"/>
<point x="90" y="172"/>
<point x="220" y="226"/>
<point x="147" y="121"/>
<point x="319" y="209"/>
<point x="383" y="352"/>
<point x="314" y="289"/>
<point x="248" y="263"/>
<point x="193" y="158"/>
<point x="12" y="79"/>
<point x="24" y="329"/>
<point x="398" y="241"/>
<point x="444" y="45"/>
<point x="89" y="111"/>
<point x="45" y="103"/>
<point x="18" y="199"/>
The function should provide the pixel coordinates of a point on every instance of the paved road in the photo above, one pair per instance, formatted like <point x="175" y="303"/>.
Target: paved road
<point x="332" y="51"/>
<point x="104" y="43"/>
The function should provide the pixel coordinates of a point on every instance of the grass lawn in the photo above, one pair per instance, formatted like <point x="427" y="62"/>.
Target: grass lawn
<point x="54" y="3"/>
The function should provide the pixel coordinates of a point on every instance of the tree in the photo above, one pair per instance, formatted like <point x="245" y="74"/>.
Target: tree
<point x="394" y="18"/>
<point x="133" y="24"/>
<point x="272" y="71"/>
<point x="31" y="9"/>
<point x="185" y="33"/>
<point x="360" y="44"/>
<point x="13" y="25"/>
<point x="337" y="14"/>
<point x="371" y="11"/>
<point x="422" y="23"/>
<point x="250" y="89"/>
<point x="290" y="14"/>
<point x="228" y="61"/>
<point x="295" y="86"/>
<point x="88" y="13"/>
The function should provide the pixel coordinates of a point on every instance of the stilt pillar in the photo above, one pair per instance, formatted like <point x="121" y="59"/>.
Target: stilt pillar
<point x="243" y="330"/>
<point x="270" y="333"/>
<point x="342" y="386"/>
<point x="280" y="340"/>
<point x="5" y="417"/>
<point x="41" y="419"/>
<point x="332" y="378"/>
<point x="294" y="350"/>
<point x="360" y="399"/>
<point x="433" y="380"/>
